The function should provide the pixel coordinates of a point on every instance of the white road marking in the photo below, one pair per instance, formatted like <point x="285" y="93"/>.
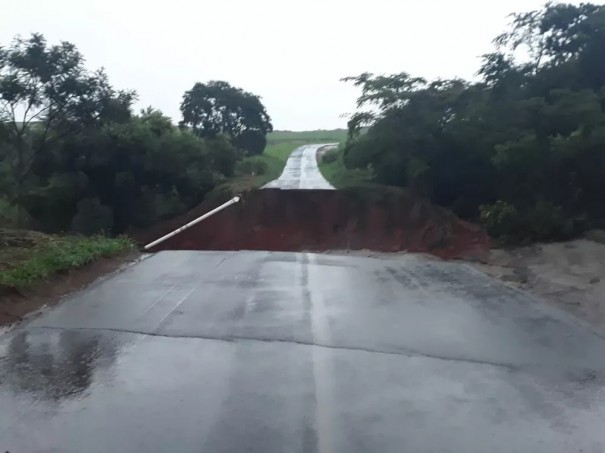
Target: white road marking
<point x="323" y="365"/>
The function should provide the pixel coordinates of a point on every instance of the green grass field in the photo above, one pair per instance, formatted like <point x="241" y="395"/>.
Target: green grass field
<point x="332" y="168"/>
<point x="306" y="137"/>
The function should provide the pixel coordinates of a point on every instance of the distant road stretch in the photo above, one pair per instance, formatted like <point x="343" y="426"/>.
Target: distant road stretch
<point x="301" y="171"/>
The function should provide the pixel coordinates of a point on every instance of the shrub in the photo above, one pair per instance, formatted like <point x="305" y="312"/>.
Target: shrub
<point x="251" y="166"/>
<point x="544" y="221"/>
<point x="92" y="217"/>
<point x="168" y="205"/>
<point x="330" y="156"/>
<point x="500" y="220"/>
<point x="548" y="222"/>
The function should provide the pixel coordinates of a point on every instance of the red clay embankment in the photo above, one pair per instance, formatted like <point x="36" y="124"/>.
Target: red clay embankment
<point x="387" y="220"/>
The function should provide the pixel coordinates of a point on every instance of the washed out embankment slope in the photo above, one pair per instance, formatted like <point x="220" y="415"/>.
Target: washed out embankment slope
<point x="386" y="220"/>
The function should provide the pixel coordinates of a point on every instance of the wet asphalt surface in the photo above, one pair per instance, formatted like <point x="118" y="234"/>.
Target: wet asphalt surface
<point x="301" y="171"/>
<point x="293" y="352"/>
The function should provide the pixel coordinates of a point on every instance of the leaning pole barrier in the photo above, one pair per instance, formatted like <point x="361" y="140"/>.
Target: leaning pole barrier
<point x="193" y="222"/>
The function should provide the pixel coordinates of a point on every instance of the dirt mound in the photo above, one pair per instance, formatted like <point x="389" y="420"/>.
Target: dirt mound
<point x="387" y="220"/>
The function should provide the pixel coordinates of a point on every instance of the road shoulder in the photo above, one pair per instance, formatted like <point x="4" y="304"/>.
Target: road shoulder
<point x="569" y="275"/>
<point x="18" y="304"/>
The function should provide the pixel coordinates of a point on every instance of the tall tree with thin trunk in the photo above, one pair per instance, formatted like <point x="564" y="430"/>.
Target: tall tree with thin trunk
<point x="46" y="94"/>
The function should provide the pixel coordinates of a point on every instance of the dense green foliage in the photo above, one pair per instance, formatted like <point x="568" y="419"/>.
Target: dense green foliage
<point x="523" y="149"/>
<point x="125" y="175"/>
<point x="46" y="94"/>
<point x="333" y="168"/>
<point x="217" y="108"/>
<point x="74" y="156"/>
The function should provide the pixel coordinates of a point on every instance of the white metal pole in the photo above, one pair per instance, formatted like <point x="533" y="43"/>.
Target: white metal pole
<point x="193" y="222"/>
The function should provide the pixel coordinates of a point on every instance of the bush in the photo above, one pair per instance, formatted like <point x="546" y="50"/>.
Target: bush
<point x="10" y="215"/>
<point x="92" y="217"/>
<point x="548" y="222"/>
<point x="252" y="166"/>
<point x="330" y="156"/>
<point x="168" y="205"/>
<point x="124" y="175"/>
<point x="500" y="220"/>
<point x="543" y="222"/>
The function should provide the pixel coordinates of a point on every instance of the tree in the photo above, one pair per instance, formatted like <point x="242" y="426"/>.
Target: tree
<point x="556" y="34"/>
<point x="46" y="94"/>
<point x="125" y="175"/>
<point x="523" y="149"/>
<point x="75" y="157"/>
<point x="218" y="108"/>
<point x="382" y="93"/>
<point x="253" y="141"/>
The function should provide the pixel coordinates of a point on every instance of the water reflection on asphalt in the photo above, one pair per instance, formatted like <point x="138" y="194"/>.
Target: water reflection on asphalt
<point x="54" y="365"/>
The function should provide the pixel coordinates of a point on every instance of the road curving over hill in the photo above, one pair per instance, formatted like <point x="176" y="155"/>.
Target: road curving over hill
<point x="302" y="171"/>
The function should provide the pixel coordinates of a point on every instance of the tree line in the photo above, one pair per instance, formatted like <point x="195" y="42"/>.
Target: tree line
<point x="522" y="149"/>
<point x="74" y="156"/>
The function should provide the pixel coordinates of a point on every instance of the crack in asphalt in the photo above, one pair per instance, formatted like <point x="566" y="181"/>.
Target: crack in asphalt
<point x="234" y="339"/>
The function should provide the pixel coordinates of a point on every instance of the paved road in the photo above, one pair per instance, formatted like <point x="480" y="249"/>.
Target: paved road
<point x="284" y="352"/>
<point x="301" y="171"/>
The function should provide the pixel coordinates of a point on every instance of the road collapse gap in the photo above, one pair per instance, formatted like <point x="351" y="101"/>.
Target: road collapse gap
<point x="383" y="219"/>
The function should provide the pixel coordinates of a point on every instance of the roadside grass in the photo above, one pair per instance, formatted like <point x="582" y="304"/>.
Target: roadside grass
<point x="281" y="151"/>
<point x="332" y="167"/>
<point x="28" y="257"/>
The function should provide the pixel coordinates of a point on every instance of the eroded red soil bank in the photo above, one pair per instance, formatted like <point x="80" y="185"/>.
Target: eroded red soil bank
<point x="318" y="220"/>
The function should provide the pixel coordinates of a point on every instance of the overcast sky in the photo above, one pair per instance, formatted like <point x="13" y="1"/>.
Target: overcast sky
<point x="292" y="54"/>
